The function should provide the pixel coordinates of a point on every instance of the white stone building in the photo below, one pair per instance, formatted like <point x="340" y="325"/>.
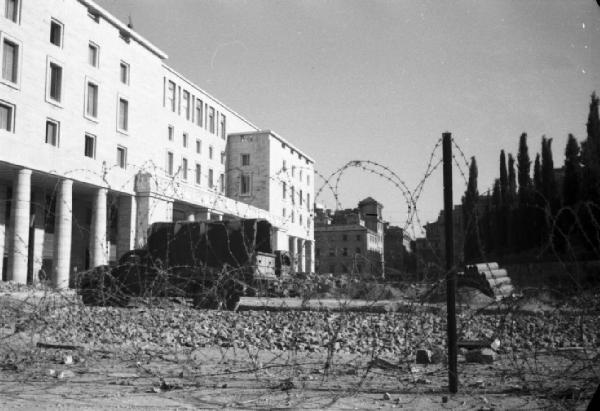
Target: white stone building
<point x="99" y="138"/>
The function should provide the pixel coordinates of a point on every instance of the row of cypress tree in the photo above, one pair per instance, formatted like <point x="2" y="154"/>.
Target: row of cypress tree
<point x="552" y="213"/>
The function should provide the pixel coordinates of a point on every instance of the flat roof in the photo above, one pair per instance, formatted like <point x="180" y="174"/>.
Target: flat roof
<point x="278" y="137"/>
<point x="123" y="27"/>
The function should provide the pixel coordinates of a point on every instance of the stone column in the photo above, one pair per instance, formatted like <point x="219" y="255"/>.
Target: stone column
<point x="293" y="254"/>
<point x="3" y="200"/>
<point x="150" y="209"/>
<point x="19" y="218"/>
<point x="62" y="234"/>
<point x="39" y="208"/>
<point x="310" y="257"/>
<point x="126" y="226"/>
<point x="203" y="215"/>
<point x="98" y="246"/>
<point x="301" y="267"/>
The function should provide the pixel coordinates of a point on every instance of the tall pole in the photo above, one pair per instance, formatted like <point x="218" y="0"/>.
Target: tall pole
<point x="450" y="272"/>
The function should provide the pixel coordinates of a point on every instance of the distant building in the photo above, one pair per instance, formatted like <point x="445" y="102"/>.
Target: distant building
<point x="350" y="240"/>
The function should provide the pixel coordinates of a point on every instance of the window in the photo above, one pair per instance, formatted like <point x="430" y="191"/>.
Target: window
<point x="210" y="152"/>
<point x="170" y="163"/>
<point x="300" y="219"/>
<point x="284" y="166"/>
<point x="7" y="116"/>
<point x="186" y="105"/>
<point x="210" y="178"/>
<point x="245" y="159"/>
<point x="345" y="252"/>
<point x="283" y="189"/>
<point x="52" y="132"/>
<point x="11" y="10"/>
<point x="93" y="15"/>
<point x="222" y="182"/>
<point x="10" y="61"/>
<point x="55" y="82"/>
<point x="184" y="168"/>
<point x="198" y="146"/>
<point x="198" y="174"/>
<point x="199" y="112"/>
<point x="292" y="216"/>
<point x="211" y="120"/>
<point x="124" y="72"/>
<point x="357" y="250"/>
<point x="300" y="197"/>
<point x="93" y="54"/>
<point x="222" y="126"/>
<point x="245" y="182"/>
<point x="300" y="175"/>
<point x="185" y="139"/>
<point x="308" y="180"/>
<point x="308" y="201"/>
<point x="292" y="195"/>
<point x="357" y="237"/>
<point x="123" y="119"/>
<point x="123" y="35"/>
<point x="122" y="157"/>
<point x="56" y="33"/>
<point x="89" y="149"/>
<point x="91" y="101"/>
<point x="344" y="237"/>
<point x="171" y="133"/>
<point x="293" y="171"/>
<point x="283" y="212"/>
<point x="331" y="251"/>
<point x="222" y="157"/>
<point x="171" y="96"/>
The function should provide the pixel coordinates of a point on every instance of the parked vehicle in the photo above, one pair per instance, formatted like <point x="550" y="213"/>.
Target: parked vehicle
<point x="213" y="263"/>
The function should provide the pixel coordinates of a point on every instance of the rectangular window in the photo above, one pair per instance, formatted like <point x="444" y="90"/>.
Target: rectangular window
<point x="93" y="54"/>
<point x="10" y="61"/>
<point x="223" y="127"/>
<point x="245" y="159"/>
<point x="184" y="168"/>
<point x="91" y="102"/>
<point x="308" y="201"/>
<point x="89" y="149"/>
<point x="210" y="152"/>
<point x="55" y="92"/>
<point x="284" y="190"/>
<point x="185" y="139"/>
<point x="186" y="105"/>
<point x="198" y="146"/>
<point x="171" y="133"/>
<point x="245" y="182"/>
<point x="199" y="112"/>
<point x="210" y="178"/>
<point x="170" y="163"/>
<point x="52" y="132"/>
<point x="94" y="16"/>
<point x="122" y="157"/>
<point x="171" y="96"/>
<point x="283" y="211"/>
<point x="300" y="197"/>
<point x="11" y="10"/>
<point x="211" y="120"/>
<point x="222" y="182"/>
<point x="7" y="116"/>
<point x="293" y="195"/>
<point x="344" y="237"/>
<point x="123" y="120"/>
<point x="198" y="174"/>
<point x="56" y="33"/>
<point x="124" y="72"/>
<point x="222" y="157"/>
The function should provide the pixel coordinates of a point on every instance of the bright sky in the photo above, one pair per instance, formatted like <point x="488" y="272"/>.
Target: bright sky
<point x="381" y="80"/>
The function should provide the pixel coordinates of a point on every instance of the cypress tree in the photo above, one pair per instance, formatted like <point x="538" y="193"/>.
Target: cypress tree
<point x="548" y="180"/>
<point x="512" y="180"/>
<point x="523" y="167"/>
<point x="503" y="177"/>
<point x="572" y="181"/>
<point x="470" y="218"/>
<point x="537" y="175"/>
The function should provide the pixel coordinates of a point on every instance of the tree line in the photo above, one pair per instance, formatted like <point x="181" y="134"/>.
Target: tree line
<point x="542" y="213"/>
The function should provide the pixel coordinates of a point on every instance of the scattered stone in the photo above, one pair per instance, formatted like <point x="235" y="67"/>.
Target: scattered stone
<point x="51" y="372"/>
<point x="65" y="374"/>
<point x="68" y="360"/>
<point x="495" y="344"/>
<point x="387" y="396"/>
<point x="423" y="381"/>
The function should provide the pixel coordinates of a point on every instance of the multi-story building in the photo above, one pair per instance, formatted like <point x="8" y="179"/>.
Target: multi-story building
<point x="351" y="241"/>
<point x="100" y="138"/>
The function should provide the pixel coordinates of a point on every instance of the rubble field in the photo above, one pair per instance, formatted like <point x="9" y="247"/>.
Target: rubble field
<point x="182" y="356"/>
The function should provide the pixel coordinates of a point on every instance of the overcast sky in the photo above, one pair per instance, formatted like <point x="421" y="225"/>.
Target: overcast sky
<point x="381" y="80"/>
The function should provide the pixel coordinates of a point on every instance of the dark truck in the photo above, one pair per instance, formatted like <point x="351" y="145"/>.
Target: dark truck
<point x="213" y="263"/>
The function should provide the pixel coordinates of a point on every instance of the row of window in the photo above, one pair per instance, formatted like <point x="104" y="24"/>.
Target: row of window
<point x="293" y="217"/>
<point x="333" y="251"/>
<point x="185" y="169"/>
<point x="193" y="109"/>
<point x="293" y="171"/>
<point x="293" y="195"/>
<point x="185" y="143"/>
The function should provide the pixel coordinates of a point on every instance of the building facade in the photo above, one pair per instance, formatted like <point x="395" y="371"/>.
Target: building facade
<point x="351" y="241"/>
<point x="100" y="138"/>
